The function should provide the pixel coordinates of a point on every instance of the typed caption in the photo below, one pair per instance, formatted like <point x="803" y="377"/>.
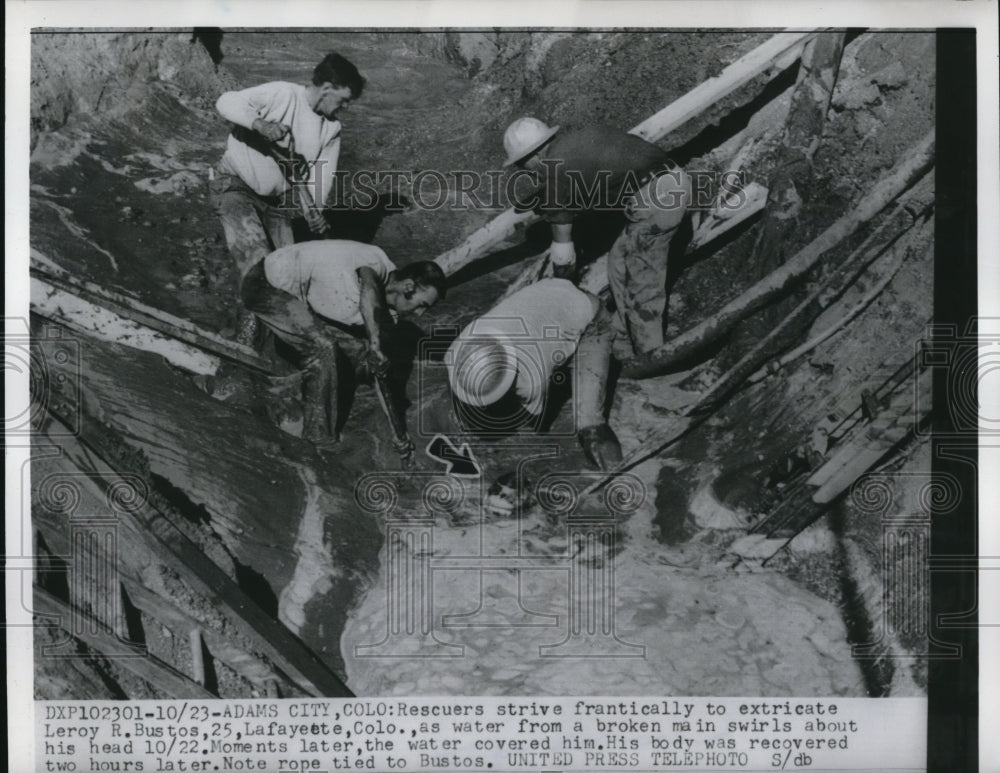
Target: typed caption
<point x="482" y="734"/>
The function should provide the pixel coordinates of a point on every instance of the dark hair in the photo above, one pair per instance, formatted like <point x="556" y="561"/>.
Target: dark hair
<point x="425" y="273"/>
<point x="338" y="71"/>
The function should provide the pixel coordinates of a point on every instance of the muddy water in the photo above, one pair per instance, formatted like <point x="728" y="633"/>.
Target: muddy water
<point x="468" y="601"/>
<point x="616" y="614"/>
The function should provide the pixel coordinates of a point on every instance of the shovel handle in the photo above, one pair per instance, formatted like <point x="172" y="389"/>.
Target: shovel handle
<point x="400" y="437"/>
<point x="289" y="165"/>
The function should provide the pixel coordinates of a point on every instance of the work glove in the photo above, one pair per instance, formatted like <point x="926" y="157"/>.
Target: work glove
<point x="270" y="130"/>
<point x="600" y="446"/>
<point x="562" y="254"/>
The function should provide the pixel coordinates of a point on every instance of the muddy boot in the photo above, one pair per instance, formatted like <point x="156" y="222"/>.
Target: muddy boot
<point x="247" y="328"/>
<point x="319" y="398"/>
<point x="600" y="446"/>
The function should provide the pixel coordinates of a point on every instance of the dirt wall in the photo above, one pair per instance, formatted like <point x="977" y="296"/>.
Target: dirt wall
<point x="101" y="75"/>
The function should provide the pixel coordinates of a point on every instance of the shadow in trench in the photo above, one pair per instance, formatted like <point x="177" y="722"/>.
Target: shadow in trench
<point x="876" y="672"/>
<point x="211" y="39"/>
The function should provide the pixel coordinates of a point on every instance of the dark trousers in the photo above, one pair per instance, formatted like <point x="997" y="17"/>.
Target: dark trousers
<point x="314" y="343"/>
<point x="254" y="226"/>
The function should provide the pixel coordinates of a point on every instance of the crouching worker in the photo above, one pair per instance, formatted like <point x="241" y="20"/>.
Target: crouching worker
<point x="510" y="355"/>
<point x="319" y="295"/>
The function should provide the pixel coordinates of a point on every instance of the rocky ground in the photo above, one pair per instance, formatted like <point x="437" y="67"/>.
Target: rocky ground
<point x="118" y="195"/>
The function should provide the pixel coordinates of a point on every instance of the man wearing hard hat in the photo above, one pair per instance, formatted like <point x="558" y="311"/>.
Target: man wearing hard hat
<point x="604" y="168"/>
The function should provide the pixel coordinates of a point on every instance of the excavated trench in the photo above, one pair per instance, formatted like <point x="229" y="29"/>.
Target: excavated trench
<point x="468" y="599"/>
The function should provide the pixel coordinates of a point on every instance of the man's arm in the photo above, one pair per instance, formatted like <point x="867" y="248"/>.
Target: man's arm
<point x="373" y="311"/>
<point x="249" y="108"/>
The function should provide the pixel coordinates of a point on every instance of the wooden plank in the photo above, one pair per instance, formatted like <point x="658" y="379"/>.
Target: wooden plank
<point x="873" y="441"/>
<point x="145" y="316"/>
<point x="80" y="315"/>
<point x="150" y="603"/>
<point x="167" y="680"/>
<point x="776" y="54"/>
<point x="134" y="554"/>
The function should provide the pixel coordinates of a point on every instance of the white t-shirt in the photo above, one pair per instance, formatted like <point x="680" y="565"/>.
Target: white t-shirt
<point x="324" y="275"/>
<point x="282" y="103"/>
<point x="540" y="325"/>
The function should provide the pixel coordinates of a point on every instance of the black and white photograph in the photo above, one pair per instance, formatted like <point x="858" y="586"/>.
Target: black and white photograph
<point x="541" y="360"/>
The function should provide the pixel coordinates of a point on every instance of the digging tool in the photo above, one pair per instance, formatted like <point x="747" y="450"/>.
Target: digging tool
<point x="400" y="437"/>
<point x="296" y="173"/>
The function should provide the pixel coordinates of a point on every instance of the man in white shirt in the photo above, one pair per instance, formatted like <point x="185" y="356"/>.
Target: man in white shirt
<point x="251" y="191"/>
<point x="318" y="293"/>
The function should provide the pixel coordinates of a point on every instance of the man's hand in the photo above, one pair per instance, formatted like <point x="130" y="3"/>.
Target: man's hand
<point x="315" y="220"/>
<point x="313" y="216"/>
<point x="270" y="130"/>
<point x="377" y="363"/>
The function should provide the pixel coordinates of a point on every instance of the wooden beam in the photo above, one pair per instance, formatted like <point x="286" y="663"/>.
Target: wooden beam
<point x="69" y="309"/>
<point x="163" y="677"/>
<point x="776" y="54"/>
<point x="873" y="441"/>
<point x="134" y="555"/>
<point x="166" y="613"/>
<point x="107" y="313"/>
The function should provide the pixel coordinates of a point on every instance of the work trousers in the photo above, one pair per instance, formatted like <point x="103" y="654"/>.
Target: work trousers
<point x="637" y="275"/>
<point x="593" y="364"/>
<point x="637" y="263"/>
<point x="314" y="342"/>
<point x="254" y="226"/>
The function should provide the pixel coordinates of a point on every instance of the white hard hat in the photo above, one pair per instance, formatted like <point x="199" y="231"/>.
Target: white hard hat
<point x="480" y="370"/>
<point x="525" y="136"/>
